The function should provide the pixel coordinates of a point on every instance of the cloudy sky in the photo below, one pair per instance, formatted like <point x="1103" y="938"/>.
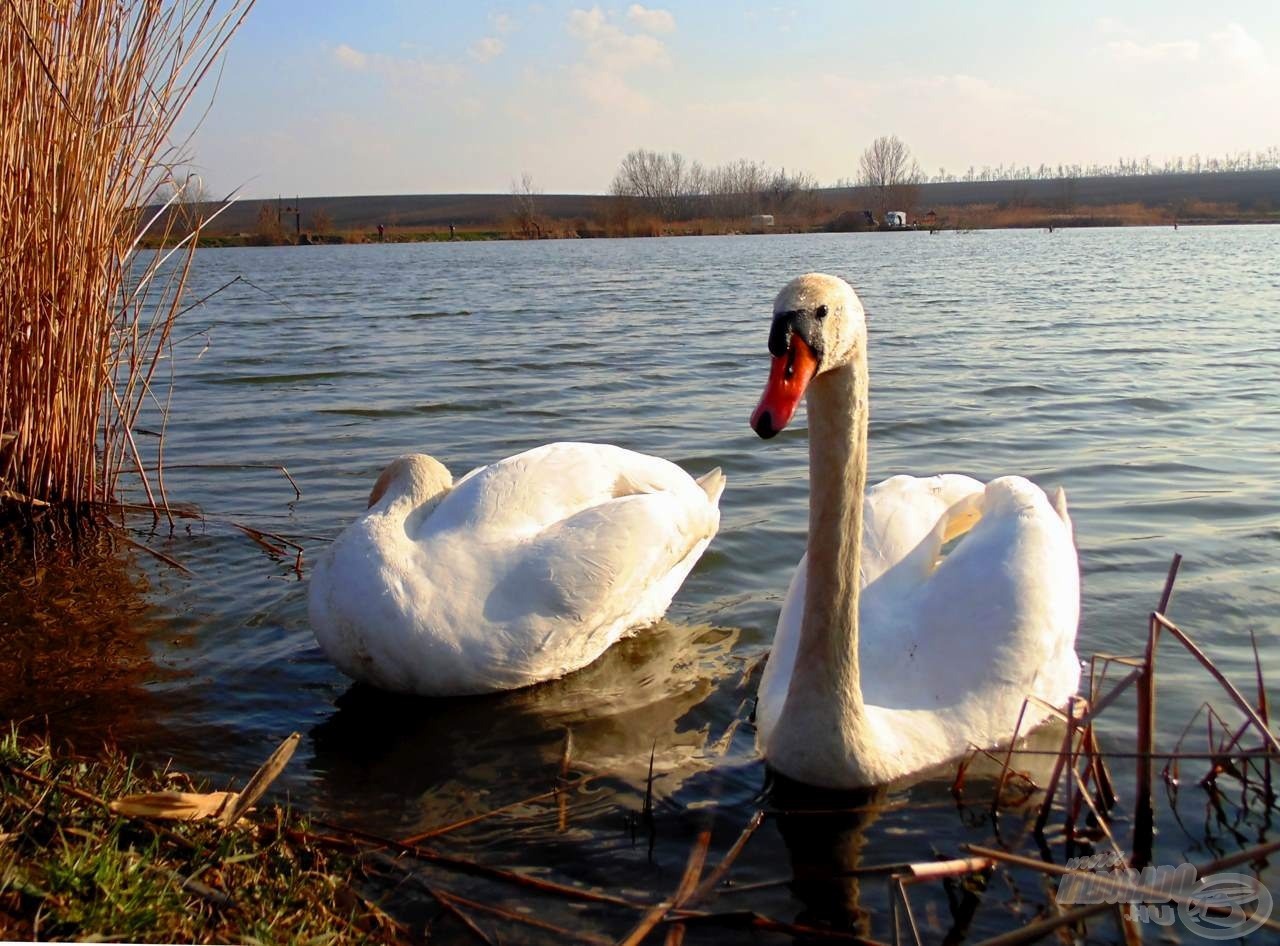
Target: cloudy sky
<point x="321" y="97"/>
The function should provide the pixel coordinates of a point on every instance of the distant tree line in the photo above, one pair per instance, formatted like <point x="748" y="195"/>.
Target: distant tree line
<point x="671" y="187"/>
<point x="674" y="188"/>
<point x="1267" y="159"/>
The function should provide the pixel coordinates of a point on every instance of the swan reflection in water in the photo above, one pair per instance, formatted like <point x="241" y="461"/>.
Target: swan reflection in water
<point x="408" y="763"/>
<point x="825" y="833"/>
<point x="835" y="840"/>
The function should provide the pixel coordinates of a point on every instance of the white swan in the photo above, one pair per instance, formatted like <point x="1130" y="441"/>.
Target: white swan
<point x="522" y="571"/>
<point x="886" y="661"/>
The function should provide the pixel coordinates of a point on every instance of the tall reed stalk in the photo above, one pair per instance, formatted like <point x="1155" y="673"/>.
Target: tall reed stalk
<point x="90" y="91"/>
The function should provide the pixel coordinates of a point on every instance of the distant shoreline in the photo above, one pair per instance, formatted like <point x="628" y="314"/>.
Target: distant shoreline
<point x="1120" y="200"/>
<point x="1028" y="219"/>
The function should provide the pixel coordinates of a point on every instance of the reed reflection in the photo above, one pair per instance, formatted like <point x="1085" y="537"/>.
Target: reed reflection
<point x="74" y="630"/>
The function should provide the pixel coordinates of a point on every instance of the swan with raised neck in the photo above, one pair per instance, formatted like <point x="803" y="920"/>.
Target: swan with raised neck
<point x="825" y="732"/>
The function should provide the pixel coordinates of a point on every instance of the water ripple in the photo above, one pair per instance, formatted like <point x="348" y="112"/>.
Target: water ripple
<point x="1138" y="368"/>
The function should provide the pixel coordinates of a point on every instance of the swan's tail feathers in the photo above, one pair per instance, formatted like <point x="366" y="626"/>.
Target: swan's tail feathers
<point x="1060" y="507"/>
<point x="712" y="484"/>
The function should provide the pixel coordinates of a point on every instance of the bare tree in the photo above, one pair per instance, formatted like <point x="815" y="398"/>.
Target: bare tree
<point x="891" y="173"/>
<point x="664" y="184"/>
<point x="787" y="193"/>
<point x="524" y="198"/>
<point x="674" y="188"/>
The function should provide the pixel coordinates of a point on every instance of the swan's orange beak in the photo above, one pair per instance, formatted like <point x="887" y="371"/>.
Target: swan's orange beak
<point x="789" y="375"/>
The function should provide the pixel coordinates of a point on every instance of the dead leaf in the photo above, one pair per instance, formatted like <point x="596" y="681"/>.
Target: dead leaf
<point x="178" y="806"/>
<point x="228" y="807"/>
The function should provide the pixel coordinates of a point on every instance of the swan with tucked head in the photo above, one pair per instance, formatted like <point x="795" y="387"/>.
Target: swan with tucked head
<point x="523" y="571"/>
<point x="890" y="658"/>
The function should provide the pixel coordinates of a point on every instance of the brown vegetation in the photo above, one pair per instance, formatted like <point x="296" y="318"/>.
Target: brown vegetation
<point x="268" y="230"/>
<point x="89" y="93"/>
<point x="996" y="216"/>
<point x="321" y="222"/>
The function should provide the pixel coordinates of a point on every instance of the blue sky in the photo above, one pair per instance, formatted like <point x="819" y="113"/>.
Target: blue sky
<point x="391" y="96"/>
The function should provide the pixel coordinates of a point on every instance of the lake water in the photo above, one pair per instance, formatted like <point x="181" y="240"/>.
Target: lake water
<point x="1139" y="368"/>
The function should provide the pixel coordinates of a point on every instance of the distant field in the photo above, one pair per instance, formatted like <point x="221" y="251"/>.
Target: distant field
<point x="1249" y="190"/>
<point x="410" y="211"/>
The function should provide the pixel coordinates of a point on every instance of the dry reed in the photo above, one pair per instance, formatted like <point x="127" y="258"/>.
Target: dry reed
<point x="90" y="91"/>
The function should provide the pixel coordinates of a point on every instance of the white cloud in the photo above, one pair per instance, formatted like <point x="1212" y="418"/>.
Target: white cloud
<point x="610" y="46"/>
<point x="350" y="58"/>
<point x="584" y="23"/>
<point x="1110" y="24"/>
<point x="1180" y="50"/>
<point x="651" y="20"/>
<point x="486" y="48"/>
<point x="400" y="71"/>
<point x="1234" y="45"/>
<point x="609" y="53"/>
<point x="608" y="90"/>
<point x="502" y="22"/>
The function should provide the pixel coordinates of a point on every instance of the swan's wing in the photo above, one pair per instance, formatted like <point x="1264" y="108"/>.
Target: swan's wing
<point x="584" y="580"/>
<point x="518" y="497"/>
<point x="995" y="621"/>
<point x="901" y="511"/>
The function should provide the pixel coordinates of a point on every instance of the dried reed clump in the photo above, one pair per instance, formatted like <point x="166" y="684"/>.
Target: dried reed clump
<point x="90" y="91"/>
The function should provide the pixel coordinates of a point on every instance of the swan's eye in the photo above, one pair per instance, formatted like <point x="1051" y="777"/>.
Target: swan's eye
<point x="820" y="311"/>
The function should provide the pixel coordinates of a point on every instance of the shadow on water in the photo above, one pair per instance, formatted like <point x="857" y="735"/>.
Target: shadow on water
<point x="432" y="761"/>
<point x="74" y="625"/>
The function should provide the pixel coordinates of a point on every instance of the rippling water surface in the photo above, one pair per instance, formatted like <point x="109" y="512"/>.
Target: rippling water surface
<point x="1140" y="369"/>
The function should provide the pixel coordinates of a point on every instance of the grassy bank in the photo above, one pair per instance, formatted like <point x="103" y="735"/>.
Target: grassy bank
<point x="72" y="869"/>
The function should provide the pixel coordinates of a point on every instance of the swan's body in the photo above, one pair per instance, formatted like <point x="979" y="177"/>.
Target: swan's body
<point x="523" y="571"/>
<point x="886" y="661"/>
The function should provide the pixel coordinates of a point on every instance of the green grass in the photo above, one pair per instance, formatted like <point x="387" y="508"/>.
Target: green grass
<point x="70" y="869"/>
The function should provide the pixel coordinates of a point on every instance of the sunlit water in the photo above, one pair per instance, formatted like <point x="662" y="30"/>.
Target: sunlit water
<point x="1139" y="368"/>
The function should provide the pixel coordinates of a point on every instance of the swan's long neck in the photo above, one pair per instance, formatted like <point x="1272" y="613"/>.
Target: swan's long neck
<point x="824" y="707"/>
